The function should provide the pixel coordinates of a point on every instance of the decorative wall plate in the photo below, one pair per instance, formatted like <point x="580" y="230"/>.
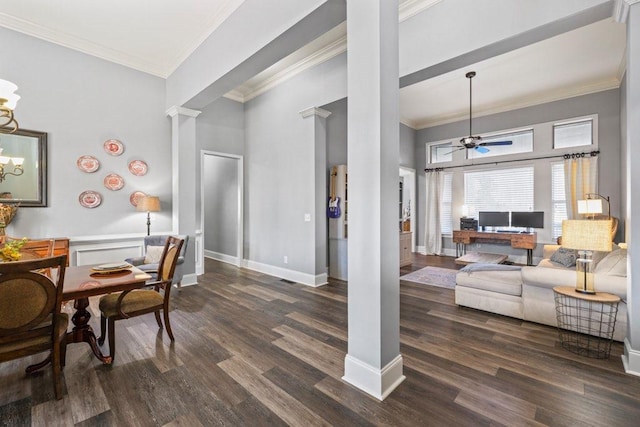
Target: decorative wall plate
<point x="88" y="164"/>
<point x="113" y="147"/>
<point x="135" y="197"/>
<point x="138" y="167"/>
<point x="90" y="199"/>
<point x="113" y="182"/>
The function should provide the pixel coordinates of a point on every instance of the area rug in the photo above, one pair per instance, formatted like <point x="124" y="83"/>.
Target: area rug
<point x="434" y="276"/>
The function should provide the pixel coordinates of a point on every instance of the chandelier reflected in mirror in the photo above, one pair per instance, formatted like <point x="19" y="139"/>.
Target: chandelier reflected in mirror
<point x="8" y="101"/>
<point x="17" y="166"/>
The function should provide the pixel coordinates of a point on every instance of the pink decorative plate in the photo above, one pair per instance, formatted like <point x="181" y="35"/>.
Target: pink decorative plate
<point x="113" y="147"/>
<point x="138" y="167"/>
<point x="135" y="197"/>
<point x="113" y="181"/>
<point x="90" y="199"/>
<point x="88" y="164"/>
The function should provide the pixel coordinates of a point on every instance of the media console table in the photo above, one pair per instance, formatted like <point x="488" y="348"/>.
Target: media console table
<point x="526" y="241"/>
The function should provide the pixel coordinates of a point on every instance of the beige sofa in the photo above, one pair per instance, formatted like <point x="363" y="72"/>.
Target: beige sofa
<point x="527" y="292"/>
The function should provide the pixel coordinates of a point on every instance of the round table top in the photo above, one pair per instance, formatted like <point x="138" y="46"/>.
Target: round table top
<point x="602" y="297"/>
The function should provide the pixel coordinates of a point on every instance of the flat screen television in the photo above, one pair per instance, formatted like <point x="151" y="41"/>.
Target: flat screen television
<point x="493" y="219"/>
<point x="527" y="219"/>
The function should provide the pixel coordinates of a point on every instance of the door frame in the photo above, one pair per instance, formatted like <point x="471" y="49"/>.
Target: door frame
<point x="410" y="173"/>
<point x="240" y="217"/>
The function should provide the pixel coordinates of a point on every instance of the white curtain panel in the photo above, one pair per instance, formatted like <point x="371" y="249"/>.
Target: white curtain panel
<point x="433" y="235"/>
<point x="580" y="178"/>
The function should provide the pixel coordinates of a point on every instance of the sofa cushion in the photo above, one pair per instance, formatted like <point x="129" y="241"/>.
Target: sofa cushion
<point x="507" y="282"/>
<point x="564" y="256"/>
<point x="614" y="264"/>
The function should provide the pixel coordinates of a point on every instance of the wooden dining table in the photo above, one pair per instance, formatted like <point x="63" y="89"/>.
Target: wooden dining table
<point x="82" y="282"/>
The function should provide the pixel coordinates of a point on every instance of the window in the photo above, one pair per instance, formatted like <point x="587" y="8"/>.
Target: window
<point x="522" y="142"/>
<point x="558" y="199"/>
<point x="441" y="152"/>
<point x="499" y="190"/>
<point x="574" y="134"/>
<point x="446" y="215"/>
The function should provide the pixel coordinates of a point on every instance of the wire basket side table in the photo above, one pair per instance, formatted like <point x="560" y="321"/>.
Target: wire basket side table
<point x="586" y="322"/>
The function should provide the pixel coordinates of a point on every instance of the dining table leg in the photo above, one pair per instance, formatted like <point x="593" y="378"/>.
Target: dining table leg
<point x="82" y="331"/>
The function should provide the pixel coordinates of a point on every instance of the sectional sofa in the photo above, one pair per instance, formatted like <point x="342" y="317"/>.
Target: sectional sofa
<point x="527" y="292"/>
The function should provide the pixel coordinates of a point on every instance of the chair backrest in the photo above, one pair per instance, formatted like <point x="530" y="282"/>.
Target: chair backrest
<point x="161" y="239"/>
<point x="28" y="299"/>
<point x="169" y="259"/>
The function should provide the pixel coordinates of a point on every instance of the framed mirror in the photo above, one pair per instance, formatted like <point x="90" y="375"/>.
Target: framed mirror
<point x="23" y="181"/>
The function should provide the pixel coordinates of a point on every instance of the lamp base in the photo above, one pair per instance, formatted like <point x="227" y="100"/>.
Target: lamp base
<point x="584" y="273"/>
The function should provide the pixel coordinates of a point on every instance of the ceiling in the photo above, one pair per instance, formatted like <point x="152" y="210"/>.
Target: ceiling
<point x="155" y="36"/>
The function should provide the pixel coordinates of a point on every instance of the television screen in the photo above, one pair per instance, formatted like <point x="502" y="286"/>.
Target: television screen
<point x="527" y="219"/>
<point x="493" y="219"/>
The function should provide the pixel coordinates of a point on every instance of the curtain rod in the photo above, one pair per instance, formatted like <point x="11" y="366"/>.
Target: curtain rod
<point x="564" y="156"/>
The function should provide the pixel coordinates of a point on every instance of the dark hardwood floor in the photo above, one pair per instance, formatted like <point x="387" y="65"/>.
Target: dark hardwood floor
<point x="253" y="350"/>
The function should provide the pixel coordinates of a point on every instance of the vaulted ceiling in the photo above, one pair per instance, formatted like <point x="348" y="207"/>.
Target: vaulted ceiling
<point x="155" y="36"/>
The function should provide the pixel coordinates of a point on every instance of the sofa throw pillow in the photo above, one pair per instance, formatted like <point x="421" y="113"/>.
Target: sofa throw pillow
<point x="614" y="264"/>
<point x="154" y="253"/>
<point x="564" y="256"/>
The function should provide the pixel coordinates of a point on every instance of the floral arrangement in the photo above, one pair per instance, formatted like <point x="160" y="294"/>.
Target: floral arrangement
<point x="11" y="250"/>
<point x="7" y="212"/>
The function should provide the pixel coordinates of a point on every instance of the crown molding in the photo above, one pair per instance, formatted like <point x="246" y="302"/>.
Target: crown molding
<point x="621" y="9"/>
<point x="522" y="103"/>
<point x="76" y="43"/>
<point x="315" y="111"/>
<point x="247" y="92"/>
<point x="176" y="110"/>
<point x="411" y="8"/>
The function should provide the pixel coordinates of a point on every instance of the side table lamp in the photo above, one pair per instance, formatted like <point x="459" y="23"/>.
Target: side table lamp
<point x="586" y="236"/>
<point x="149" y="204"/>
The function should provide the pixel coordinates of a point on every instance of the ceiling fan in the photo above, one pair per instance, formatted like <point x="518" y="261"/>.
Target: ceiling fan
<point x="475" y="142"/>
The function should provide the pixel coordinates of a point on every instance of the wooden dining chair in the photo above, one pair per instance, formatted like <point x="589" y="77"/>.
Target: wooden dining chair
<point x="123" y="305"/>
<point x="30" y="317"/>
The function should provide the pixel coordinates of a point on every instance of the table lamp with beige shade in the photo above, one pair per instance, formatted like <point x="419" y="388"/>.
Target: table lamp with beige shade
<point x="149" y="204"/>
<point x="586" y="236"/>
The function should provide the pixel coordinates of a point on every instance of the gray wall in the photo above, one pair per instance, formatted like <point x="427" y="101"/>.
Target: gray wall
<point x="81" y="101"/>
<point x="606" y="104"/>
<point x="280" y="162"/>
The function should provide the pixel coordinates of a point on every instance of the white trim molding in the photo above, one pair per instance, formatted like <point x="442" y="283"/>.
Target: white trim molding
<point x="177" y="110"/>
<point x="189" y="279"/>
<point x="315" y="111"/>
<point x="631" y="359"/>
<point x="621" y="9"/>
<point x="229" y="259"/>
<point x="410" y="8"/>
<point x="379" y="383"/>
<point x="292" y="275"/>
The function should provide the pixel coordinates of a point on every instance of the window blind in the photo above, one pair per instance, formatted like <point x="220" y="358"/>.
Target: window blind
<point x="446" y="217"/>
<point x="573" y="134"/>
<point x="499" y="190"/>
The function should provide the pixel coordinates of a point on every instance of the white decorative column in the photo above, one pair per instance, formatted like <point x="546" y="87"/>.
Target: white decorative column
<point x="630" y="9"/>
<point x="373" y="362"/>
<point x="183" y="152"/>
<point x="317" y="118"/>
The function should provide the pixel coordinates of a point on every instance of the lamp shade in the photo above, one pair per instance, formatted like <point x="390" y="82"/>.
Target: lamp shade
<point x="149" y="204"/>
<point x="590" y="235"/>
<point x="7" y="90"/>
<point x="590" y="206"/>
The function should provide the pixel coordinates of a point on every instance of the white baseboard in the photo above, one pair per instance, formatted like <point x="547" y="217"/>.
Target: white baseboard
<point x="189" y="280"/>
<point x="229" y="259"/>
<point x="379" y="383"/>
<point x="294" y="276"/>
<point x="631" y="359"/>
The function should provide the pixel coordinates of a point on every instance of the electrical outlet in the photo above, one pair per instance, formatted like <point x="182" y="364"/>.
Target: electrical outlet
<point x="307" y="217"/>
<point x="286" y="259"/>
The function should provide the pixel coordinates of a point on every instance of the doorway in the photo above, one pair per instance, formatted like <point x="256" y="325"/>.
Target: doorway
<point x="221" y="205"/>
<point x="408" y="202"/>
